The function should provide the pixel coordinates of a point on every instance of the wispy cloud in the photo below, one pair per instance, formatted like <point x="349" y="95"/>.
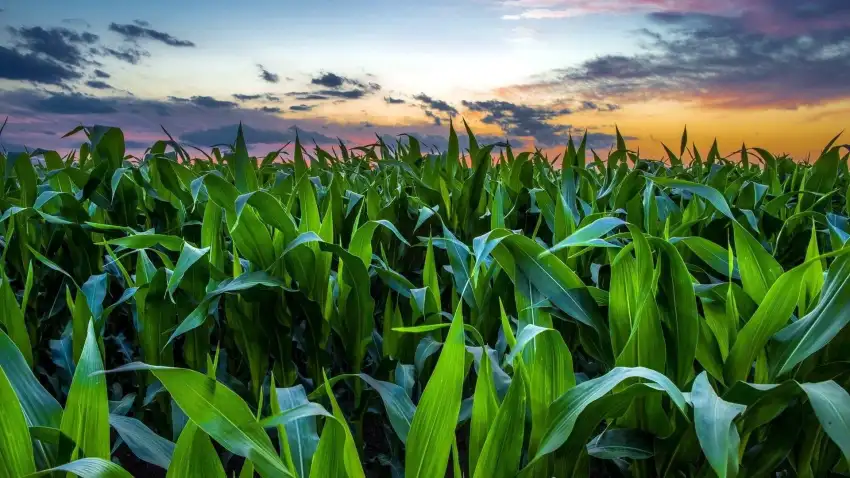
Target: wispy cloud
<point x="268" y="76"/>
<point x="724" y="61"/>
<point x="140" y="31"/>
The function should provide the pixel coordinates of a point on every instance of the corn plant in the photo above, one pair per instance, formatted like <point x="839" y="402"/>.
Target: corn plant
<point x="396" y="310"/>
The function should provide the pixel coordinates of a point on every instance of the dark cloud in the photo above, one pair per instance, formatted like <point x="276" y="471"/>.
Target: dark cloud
<point x="429" y="105"/>
<point x="73" y="103"/>
<point x="435" y="104"/>
<point x="128" y="54"/>
<point x="337" y="86"/>
<point x="593" y="106"/>
<point x="268" y="76"/>
<point x="436" y="119"/>
<point x="58" y="44"/>
<point x="300" y="108"/>
<point x="270" y="109"/>
<point x="136" y="32"/>
<point x="98" y="85"/>
<point x="101" y="74"/>
<point x="345" y="94"/>
<point x="15" y="65"/>
<point x="227" y="134"/>
<point x="204" y="102"/>
<point x="267" y="96"/>
<point x="521" y="120"/>
<point x="725" y="61"/>
<point x="394" y="101"/>
<point x="306" y="96"/>
<point x="330" y="80"/>
<point x="142" y="23"/>
<point x="246" y="97"/>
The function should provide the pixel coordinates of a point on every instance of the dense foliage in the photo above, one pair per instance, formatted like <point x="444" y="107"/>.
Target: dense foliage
<point x="384" y="311"/>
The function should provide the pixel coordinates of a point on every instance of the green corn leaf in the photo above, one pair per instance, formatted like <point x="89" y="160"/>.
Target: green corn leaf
<point x="336" y="455"/>
<point x="773" y="313"/>
<point x="88" y="468"/>
<point x="712" y="254"/>
<point x="39" y="407"/>
<point x="432" y="430"/>
<point x="16" y="453"/>
<point x="566" y="409"/>
<point x="219" y="412"/>
<point x="12" y="318"/>
<point x="399" y="407"/>
<point x="86" y="415"/>
<point x="301" y="434"/>
<point x="500" y="456"/>
<point x="706" y="192"/>
<point x="801" y="339"/>
<point x="758" y="269"/>
<point x="590" y="234"/>
<point x="188" y="256"/>
<point x="143" y="442"/>
<point x="618" y="443"/>
<point x="194" y="455"/>
<point x="485" y="405"/>
<point x="717" y="435"/>
<point x="831" y="404"/>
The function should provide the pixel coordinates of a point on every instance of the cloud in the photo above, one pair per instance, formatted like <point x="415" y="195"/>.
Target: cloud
<point x="246" y="97"/>
<point x="300" y="108"/>
<point x="394" y="101"/>
<point x="436" y="104"/>
<point x="101" y="74"/>
<point x="721" y="61"/>
<point x="337" y="86"/>
<point x="522" y="120"/>
<point x="346" y="94"/>
<point x="227" y="134"/>
<point x="127" y="54"/>
<point x="204" y="102"/>
<point x="98" y="85"/>
<point x="31" y="112"/>
<point x="270" y="109"/>
<point x="136" y="32"/>
<point x="429" y="105"/>
<point x="330" y="80"/>
<point x="306" y="96"/>
<point x="73" y="103"/>
<point x="434" y="118"/>
<point x="268" y="76"/>
<point x="778" y="17"/>
<point x="15" y="65"/>
<point x="59" y="44"/>
<point x="543" y="9"/>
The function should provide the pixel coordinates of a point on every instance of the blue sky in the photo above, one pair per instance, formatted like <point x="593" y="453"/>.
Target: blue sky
<point x="532" y="70"/>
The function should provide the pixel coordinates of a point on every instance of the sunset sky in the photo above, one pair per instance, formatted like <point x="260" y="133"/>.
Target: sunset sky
<point x="773" y="73"/>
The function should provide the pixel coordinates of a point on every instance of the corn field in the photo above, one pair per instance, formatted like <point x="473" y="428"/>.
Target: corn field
<point x="387" y="310"/>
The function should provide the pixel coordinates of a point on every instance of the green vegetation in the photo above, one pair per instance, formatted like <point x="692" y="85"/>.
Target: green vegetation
<point x="379" y="311"/>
